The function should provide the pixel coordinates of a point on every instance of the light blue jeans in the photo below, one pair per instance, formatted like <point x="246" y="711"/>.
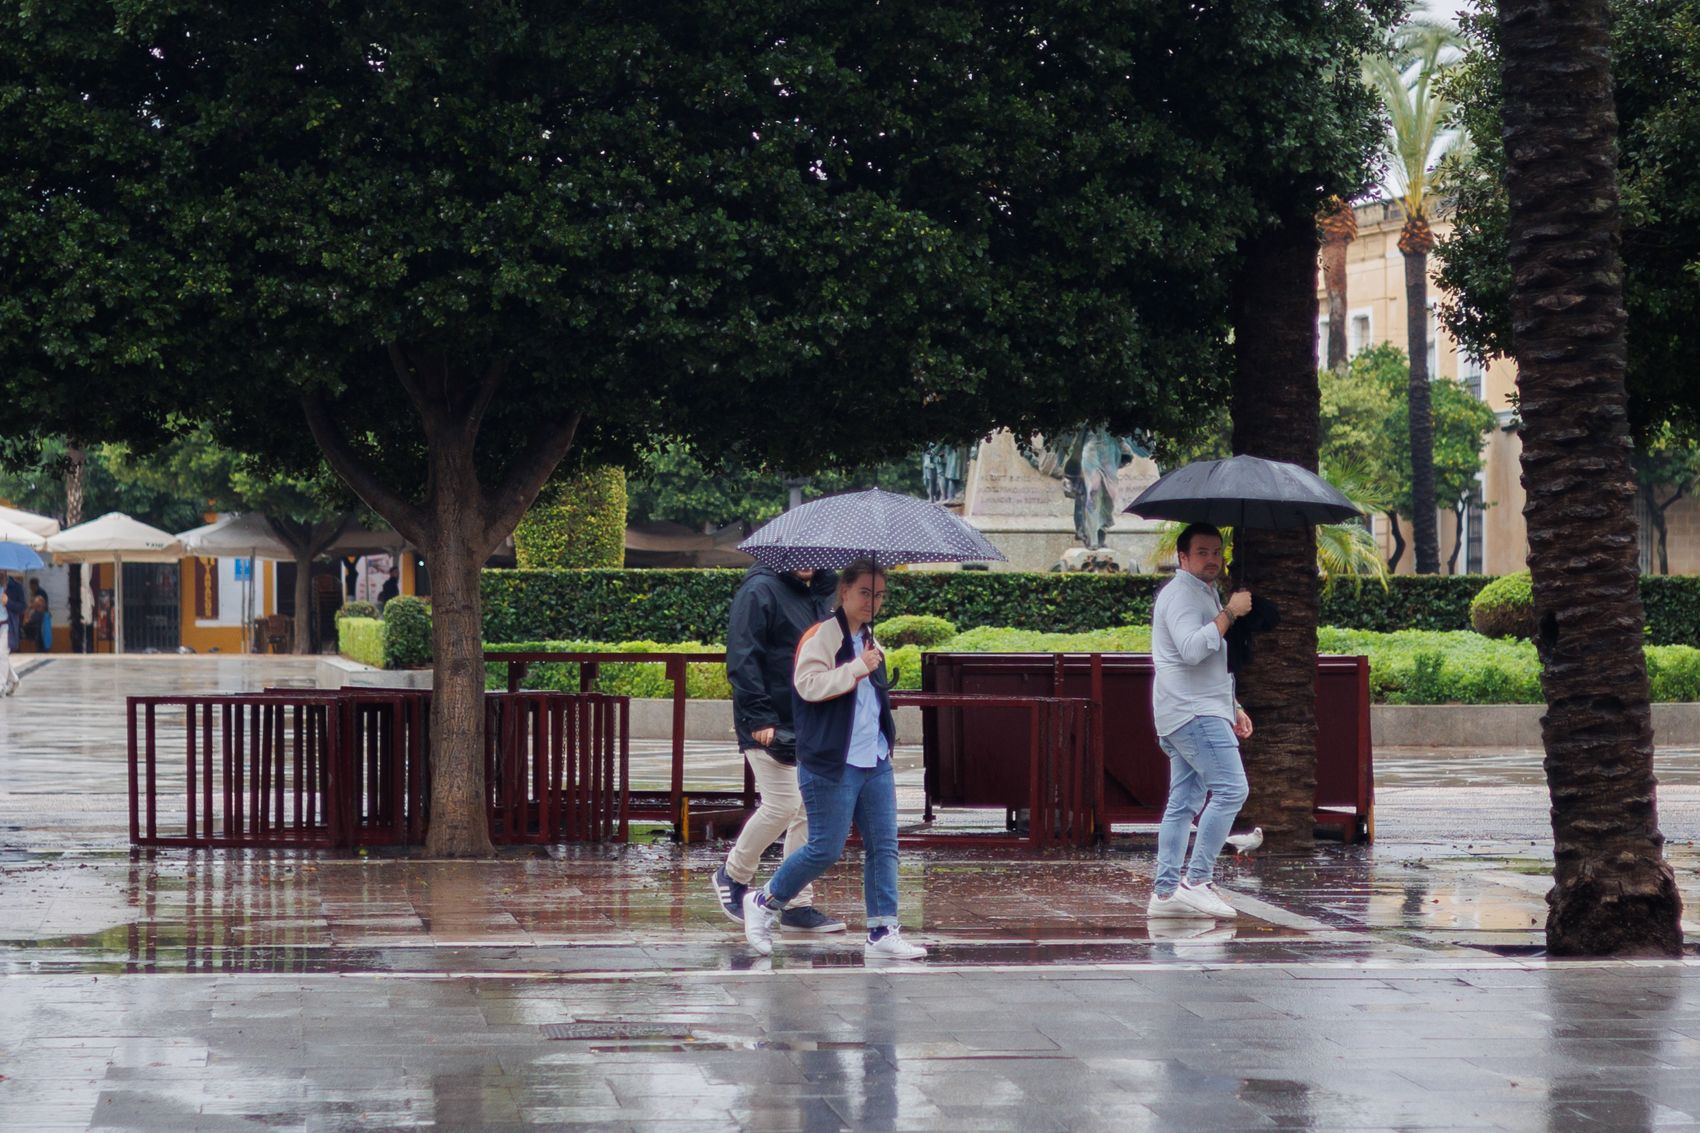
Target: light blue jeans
<point x="868" y="797"/>
<point x="1204" y="757"/>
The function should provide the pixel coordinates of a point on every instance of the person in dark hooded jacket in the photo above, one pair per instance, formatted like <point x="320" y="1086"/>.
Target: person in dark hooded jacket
<point x="770" y="612"/>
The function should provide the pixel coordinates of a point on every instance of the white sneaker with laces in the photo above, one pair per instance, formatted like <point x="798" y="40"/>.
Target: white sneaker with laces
<point x="892" y="946"/>
<point x="1205" y="900"/>
<point x="758" y="922"/>
<point x="1159" y="908"/>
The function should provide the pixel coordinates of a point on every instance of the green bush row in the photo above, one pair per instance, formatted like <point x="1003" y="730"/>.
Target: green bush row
<point x="361" y="639"/>
<point x="1408" y="667"/>
<point x="691" y="605"/>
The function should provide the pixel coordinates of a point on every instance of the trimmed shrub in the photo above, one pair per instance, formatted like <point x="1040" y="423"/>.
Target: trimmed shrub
<point x="915" y="629"/>
<point x="1672" y="603"/>
<point x="358" y="608"/>
<point x="1505" y="607"/>
<point x="1410" y="601"/>
<point x="361" y="639"/>
<point x="623" y="678"/>
<point x="577" y="521"/>
<point x="407" y="633"/>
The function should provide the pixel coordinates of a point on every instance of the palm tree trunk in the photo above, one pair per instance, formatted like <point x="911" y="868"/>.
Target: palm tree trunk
<point x="1425" y="532"/>
<point x="1336" y="226"/>
<point x="1613" y="892"/>
<point x="1275" y="406"/>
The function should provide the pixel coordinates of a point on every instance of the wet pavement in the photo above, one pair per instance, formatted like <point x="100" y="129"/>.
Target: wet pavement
<point x="1396" y="985"/>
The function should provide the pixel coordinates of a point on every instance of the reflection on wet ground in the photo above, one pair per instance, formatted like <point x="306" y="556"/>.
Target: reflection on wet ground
<point x="1395" y="985"/>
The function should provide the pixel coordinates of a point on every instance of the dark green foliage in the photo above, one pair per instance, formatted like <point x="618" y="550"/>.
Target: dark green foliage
<point x="578" y="520"/>
<point x="1410" y="601"/>
<point x="357" y="608"/>
<point x="1672" y="603"/>
<point x="1656" y="69"/>
<point x="691" y="605"/>
<point x="407" y="633"/>
<point x="702" y="681"/>
<point x="1505" y="607"/>
<point x="915" y="629"/>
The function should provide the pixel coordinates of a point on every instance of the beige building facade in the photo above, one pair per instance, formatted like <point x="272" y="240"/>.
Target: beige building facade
<point x="1494" y="538"/>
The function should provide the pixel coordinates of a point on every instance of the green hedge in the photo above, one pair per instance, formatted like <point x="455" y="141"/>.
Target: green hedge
<point x="702" y="681"/>
<point x="577" y="520"/>
<point x="362" y="640"/>
<point x="687" y="605"/>
<point x="407" y="633"/>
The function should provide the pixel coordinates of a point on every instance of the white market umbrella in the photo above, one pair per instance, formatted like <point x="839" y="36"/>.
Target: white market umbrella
<point x="17" y="533"/>
<point x="115" y="538"/>
<point x="39" y="524"/>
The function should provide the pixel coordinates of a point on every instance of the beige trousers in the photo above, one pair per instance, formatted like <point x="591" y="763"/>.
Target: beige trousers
<point x="781" y="810"/>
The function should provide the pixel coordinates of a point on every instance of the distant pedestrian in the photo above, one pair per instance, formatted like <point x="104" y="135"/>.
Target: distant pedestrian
<point x="390" y="588"/>
<point x="770" y="613"/>
<point x="38" y="626"/>
<point x="8" y="675"/>
<point x="15" y="606"/>
<point x="1199" y="725"/>
<point x="845" y="736"/>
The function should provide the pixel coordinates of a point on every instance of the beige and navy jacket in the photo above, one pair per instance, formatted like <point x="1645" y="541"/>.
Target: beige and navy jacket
<point x="823" y="705"/>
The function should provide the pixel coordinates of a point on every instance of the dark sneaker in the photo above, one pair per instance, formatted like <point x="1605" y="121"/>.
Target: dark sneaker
<point x="809" y="919"/>
<point x="730" y="894"/>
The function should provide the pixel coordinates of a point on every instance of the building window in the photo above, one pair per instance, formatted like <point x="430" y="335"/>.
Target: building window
<point x="1358" y="337"/>
<point x="1473" y="558"/>
<point x="1470" y="372"/>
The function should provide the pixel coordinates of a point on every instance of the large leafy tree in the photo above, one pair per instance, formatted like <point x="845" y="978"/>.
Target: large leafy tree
<point x="1655" y="52"/>
<point x="1667" y="470"/>
<point x="1408" y="83"/>
<point x="442" y="245"/>
<point x="1613" y="892"/>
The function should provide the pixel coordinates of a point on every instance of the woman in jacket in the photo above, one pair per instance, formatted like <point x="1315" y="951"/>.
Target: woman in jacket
<point x="845" y="736"/>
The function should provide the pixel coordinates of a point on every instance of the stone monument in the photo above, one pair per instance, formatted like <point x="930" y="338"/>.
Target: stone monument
<point x="1026" y="515"/>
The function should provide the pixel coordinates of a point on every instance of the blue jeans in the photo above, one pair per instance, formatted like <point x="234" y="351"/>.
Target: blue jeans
<point x="867" y="796"/>
<point x="1204" y="756"/>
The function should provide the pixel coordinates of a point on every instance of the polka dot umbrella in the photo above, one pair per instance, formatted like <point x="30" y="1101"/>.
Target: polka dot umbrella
<point x="890" y="528"/>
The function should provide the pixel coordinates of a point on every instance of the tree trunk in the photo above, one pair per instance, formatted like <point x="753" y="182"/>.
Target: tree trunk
<point x="1275" y="406"/>
<point x="459" y="824"/>
<point x="457" y="525"/>
<point x="1458" y="510"/>
<point x="1337" y="226"/>
<point x="1398" y="541"/>
<point x="75" y="460"/>
<point x="303" y="636"/>
<point x="1613" y="893"/>
<point x="1425" y="533"/>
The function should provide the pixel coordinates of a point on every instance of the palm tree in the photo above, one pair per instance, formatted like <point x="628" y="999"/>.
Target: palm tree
<point x="1418" y="113"/>
<point x="1275" y="406"/>
<point x="1613" y="893"/>
<point x="1336" y="227"/>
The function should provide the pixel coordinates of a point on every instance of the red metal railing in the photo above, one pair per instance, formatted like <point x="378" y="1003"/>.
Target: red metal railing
<point x="350" y="767"/>
<point x="1063" y="787"/>
<point x="676" y="805"/>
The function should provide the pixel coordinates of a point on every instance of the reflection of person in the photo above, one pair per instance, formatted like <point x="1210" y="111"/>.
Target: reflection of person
<point x="845" y="736"/>
<point x="770" y="613"/>
<point x="1199" y="726"/>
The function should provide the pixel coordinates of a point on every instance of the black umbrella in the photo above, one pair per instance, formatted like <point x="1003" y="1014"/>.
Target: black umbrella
<point x="828" y="533"/>
<point x="1245" y="491"/>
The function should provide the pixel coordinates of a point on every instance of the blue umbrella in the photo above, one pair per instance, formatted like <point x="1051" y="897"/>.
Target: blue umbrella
<point x="828" y="533"/>
<point x="16" y="556"/>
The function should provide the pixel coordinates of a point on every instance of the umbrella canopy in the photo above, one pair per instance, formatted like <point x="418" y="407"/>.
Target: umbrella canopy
<point x="115" y="537"/>
<point x="16" y="556"/>
<point x="829" y="533"/>
<point x="1245" y="491"/>
<point x="249" y="536"/>
<point x="17" y="533"/>
<point x="40" y="524"/>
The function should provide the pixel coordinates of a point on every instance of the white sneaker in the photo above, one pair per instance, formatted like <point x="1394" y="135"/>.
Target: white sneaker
<point x="1171" y="906"/>
<point x="1198" y="931"/>
<point x="1204" y="899"/>
<point x="758" y="922"/>
<point x="892" y="946"/>
<point x="1246" y="843"/>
